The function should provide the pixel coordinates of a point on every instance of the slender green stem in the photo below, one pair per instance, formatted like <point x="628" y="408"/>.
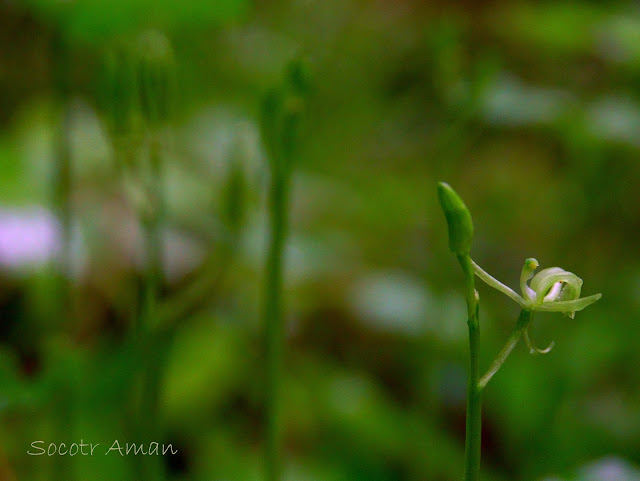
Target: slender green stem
<point x="150" y="468"/>
<point x="281" y="115"/>
<point x="274" y="321"/>
<point x="474" y="401"/>
<point x="521" y="325"/>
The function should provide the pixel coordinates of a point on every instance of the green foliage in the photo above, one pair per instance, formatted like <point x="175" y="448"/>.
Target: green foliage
<point x="98" y="20"/>
<point x="531" y="110"/>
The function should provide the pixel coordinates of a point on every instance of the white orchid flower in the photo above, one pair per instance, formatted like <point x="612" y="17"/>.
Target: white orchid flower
<point x="550" y="290"/>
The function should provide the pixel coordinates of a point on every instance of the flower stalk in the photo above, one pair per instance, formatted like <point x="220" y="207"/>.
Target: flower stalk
<point x="280" y="123"/>
<point x="473" y="437"/>
<point x="460" y="228"/>
<point x="551" y="290"/>
<point x="521" y="325"/>
<point x="154" y="76"/>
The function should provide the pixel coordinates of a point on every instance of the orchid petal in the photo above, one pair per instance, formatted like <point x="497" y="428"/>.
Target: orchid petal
<point x="545" y="281"/>
<point x="554" y="292"/>
<point x="496" y="284"/>
<point x="529" y="294"/>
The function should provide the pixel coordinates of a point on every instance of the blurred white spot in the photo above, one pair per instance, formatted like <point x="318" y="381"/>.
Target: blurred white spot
<point x="181" y="255"/>
<point x="511" y="102"/>
<point x="219" y="135"/>
<point x="392" y="302"/>
<point x="90" y="150"/>
<point x="306" y="257"/>
<point x="397" y="302"/>
<point x="609" y="469"/>
<point x="615" y="118"/>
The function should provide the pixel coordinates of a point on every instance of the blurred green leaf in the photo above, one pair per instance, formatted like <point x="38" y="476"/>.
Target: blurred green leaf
<point x="97" y="20"/>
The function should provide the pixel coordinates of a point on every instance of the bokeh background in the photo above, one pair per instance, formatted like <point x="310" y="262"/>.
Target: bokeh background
<point x="530" y="110"/>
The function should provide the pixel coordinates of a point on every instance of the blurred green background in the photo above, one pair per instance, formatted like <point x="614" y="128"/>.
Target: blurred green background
<point x="530" y="110"/>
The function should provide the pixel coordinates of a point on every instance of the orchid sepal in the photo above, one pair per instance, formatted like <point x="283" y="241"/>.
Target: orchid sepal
<point x="569" y="307"/>
<point x="496" y="284"/>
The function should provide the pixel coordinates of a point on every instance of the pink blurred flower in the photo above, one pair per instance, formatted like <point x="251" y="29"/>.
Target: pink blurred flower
<point x="29" y="237"/>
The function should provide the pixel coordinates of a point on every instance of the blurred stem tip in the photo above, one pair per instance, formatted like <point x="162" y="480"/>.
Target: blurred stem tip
<point x="281" y="112"/>
<point x="156" y="70"/>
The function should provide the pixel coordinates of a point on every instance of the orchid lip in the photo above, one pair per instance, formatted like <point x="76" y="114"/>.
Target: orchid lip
<point x="554" y="292"/>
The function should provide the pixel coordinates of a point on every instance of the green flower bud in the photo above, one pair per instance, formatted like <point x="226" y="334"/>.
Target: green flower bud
<point x="119" y="91"/>
<point x="458" y="220"/>
<point x="282" y="110"/>
<point x="155" y="75"/>
<point x="298" y="77"/>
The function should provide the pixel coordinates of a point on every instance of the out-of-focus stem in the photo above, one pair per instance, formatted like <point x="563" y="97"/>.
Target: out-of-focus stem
<point x="281" y="120"/>
<point x="154" y="351"/>
<point x="152" y="224"/>
<point x="273" y="317"/>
